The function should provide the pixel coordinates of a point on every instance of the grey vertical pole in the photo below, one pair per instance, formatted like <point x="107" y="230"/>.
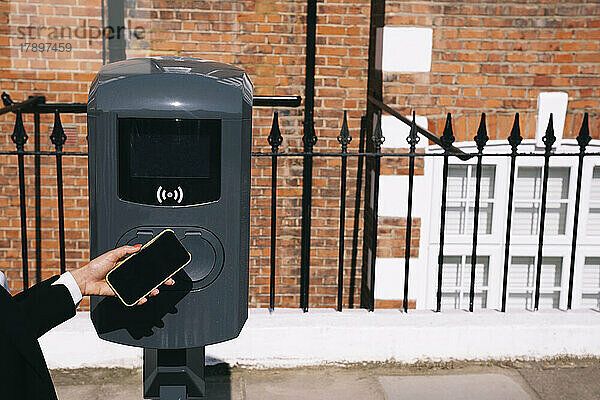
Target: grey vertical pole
<point x="173" y="393"/>
<point x="309" y="139"/>
<point x="174" y="374"/>
<point x="374" y="89"/>
<point x="115" y="33"/>
<point x="103" y="19"/>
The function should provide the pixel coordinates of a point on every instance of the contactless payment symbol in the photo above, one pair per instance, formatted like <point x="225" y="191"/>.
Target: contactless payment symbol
<point x="165" y="195"/>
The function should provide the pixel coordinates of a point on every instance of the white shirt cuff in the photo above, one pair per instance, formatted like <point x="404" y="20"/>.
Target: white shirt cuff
<point x="68" y="280"/>
<point x="3" y="282"/>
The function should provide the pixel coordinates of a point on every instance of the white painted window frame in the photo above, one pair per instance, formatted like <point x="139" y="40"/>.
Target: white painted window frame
<point x="582" y="253"/>
<point x="528" y="250"/>
<point x="492" y="245"/>
<point x="587" y="245"/>
<point x="467" y="199"/>
<point x="464" y="288"/>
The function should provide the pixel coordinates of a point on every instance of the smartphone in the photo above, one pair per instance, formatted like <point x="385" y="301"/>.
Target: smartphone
<point x="137" y="275"/>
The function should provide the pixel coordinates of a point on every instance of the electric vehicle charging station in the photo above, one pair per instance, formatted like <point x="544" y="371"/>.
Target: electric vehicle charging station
<point x="169" y="147"/>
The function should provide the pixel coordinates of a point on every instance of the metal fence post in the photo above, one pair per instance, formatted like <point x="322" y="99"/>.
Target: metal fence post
<point x="412" y="140"/>
<point x="38" y="202"/>
<point x="447" y="139"/>
<point x="480" y="140"/>
<point x="344" y="139"/>
<point x="359" y="179"/>
<point x="58" y="139"/>
<point x="514" y="140"/>
<point x="548" y="140"/>
<point x="275" y="139"/>
<point x="19" y="138"/>
<point x="583" y="139"/>
<point x="378" y="140"/>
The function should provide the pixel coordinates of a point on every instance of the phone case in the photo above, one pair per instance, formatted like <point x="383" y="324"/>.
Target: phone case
<point x="131" y="255"/>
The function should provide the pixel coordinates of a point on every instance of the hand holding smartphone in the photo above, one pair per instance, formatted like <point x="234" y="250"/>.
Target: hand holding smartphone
<point x="137" y="275"/>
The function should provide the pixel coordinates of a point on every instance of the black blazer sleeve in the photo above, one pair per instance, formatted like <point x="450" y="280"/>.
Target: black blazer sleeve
<point x="44" y="306"/>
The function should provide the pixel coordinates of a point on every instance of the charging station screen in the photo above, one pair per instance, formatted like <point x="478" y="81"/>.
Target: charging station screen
<point x="173" y="153"/>
<point x="169" y="161"/>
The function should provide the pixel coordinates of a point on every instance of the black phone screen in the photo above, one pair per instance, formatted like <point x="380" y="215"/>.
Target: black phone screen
<point x="148" y="268"/>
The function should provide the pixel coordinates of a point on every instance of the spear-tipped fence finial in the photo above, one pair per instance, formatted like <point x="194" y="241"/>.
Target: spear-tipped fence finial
<point x="378" y="138"/>
<point x="275" y="139"/>
<point x="481" y="138"/>
<point x="344" y="137"/>
<point x="19" y="136"/>
<point x="58" y="136"/>
<point x="584" y="138"/>
<point x="549" y="137"/>
<point x="448" y="135"/>
<point x="515" y="138"/>
<point x="413" y="138"/>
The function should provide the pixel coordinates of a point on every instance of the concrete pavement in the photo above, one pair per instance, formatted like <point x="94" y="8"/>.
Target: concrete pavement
<point x="553" y="380"/>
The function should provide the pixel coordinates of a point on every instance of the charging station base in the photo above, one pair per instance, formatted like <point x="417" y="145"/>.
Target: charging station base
<point x="174" y="374"/>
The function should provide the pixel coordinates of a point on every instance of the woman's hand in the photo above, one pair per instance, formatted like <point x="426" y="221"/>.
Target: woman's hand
<point x="91" y="277"/>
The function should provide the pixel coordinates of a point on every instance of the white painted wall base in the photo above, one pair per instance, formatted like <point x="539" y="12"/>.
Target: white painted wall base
<point x="289" y="338"/>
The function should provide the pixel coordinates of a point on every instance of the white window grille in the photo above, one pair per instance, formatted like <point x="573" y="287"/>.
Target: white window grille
<point x="521" y="282"/>
<point x="461" y="199"/>
<point x="528" y="199"/>
<point x="593" y="220"/>
<point x="456" y="281"/>
<point x="590" y="288"/>
<point x="526" y="214"/>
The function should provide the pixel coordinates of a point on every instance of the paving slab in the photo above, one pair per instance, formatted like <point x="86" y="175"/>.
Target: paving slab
<point x="455" y="387"/>
<point x="564" y="378"/>
<point x="99" y="392"/>
<point x="312" y="384"/>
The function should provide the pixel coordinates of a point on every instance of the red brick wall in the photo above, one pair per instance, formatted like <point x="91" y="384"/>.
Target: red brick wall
<point x="267" y="39"/>
<point x="492" y="57"/>
<point x="61" y="77"/>
<point x="497" y="57"/>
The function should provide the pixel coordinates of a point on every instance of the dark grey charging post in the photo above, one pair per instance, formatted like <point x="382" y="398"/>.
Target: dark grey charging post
<point x="169" y="147"/>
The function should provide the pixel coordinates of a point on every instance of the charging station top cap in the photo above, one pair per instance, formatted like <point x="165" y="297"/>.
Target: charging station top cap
<point x="170" y="84"/>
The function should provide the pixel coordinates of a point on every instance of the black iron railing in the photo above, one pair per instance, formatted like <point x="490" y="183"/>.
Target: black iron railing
<point x="37" y="106"/>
